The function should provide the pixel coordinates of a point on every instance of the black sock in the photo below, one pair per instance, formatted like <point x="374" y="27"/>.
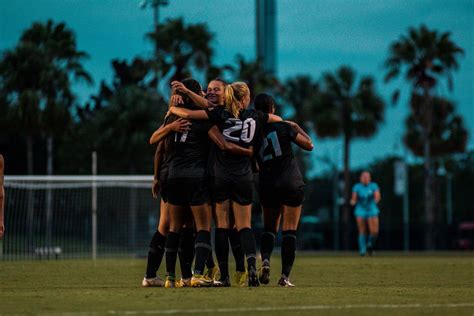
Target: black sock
<point x="171" y="248"/>
<point x="288" y="250"/>
<point x="186" y="252"/>
<point x="266" y="246"/>
<point x="247" y="239"/>
<point x="210" y="261"/>
<point x="222" y="251"/>
<point x="155" y="254"/>
<point x="203" y="248"/>
<point x="237" y="251"/>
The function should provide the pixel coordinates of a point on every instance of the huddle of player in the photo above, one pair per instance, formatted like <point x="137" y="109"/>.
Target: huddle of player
<point x="203" y="170"/>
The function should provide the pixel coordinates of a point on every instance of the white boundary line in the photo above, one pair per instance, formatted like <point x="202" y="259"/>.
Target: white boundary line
<point x="263" y="309"/>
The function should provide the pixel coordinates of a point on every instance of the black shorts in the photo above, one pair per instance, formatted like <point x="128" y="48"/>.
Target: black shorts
<point x="274" y="194"/>
<point x="237" y="189"/>
<point x="187" y="191"/>
<point x="163" y="189"/>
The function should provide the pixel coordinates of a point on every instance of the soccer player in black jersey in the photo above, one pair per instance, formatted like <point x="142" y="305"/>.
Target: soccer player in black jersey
<point x="161" y="160"/>
<point x="281" y="188"/>
<point x="233" y="174"/>
<point x="215" y="97"/>
<point x="187" y="186"/>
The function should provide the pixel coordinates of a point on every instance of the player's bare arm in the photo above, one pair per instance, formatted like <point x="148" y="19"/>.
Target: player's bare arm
<point x="155" y="189"/>
<point x="377" y="196"/>
<point x="197" y="99"/>
<point x="353" y="199"/>
<point x="272" y="118"/>
<point x="217" y="137"/>
<point x="189" y="114"/>
<point x="180" y="125"/>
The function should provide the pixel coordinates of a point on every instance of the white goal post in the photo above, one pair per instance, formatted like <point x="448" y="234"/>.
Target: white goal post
<point x="78" y="216"/>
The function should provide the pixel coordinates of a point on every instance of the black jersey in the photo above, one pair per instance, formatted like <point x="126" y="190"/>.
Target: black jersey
<point x="241" y="131"/>
<point x="189" y="151"/>
<point x="275" y="155"/>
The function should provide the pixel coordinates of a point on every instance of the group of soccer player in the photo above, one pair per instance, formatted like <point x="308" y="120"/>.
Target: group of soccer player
<point x="208" y="149"/>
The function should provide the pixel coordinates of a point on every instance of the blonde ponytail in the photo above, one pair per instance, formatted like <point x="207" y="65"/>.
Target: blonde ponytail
<point x="234" y="94"/>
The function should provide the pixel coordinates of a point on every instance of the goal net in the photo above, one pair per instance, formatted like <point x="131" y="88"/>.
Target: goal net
<point x="78" y="216"/>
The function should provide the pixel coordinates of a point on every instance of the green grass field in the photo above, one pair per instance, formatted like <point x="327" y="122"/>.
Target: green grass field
<point x="327" y="284"/>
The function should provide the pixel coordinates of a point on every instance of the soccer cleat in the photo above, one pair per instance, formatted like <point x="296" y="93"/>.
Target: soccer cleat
<point x="199" y="280"/>
<point x="285" y="282"/>
<point x="211" y="273"/>
<point x="170" y="282"/>
<point x="253" y="278"/>
<point x="153" y="282"/>
<point x="264" y="274"/>
<point x="183" y="282"/>
<point x="240" y="278"/>
<point x="223" y="282"/>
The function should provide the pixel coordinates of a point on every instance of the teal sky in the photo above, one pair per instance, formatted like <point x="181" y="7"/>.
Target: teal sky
<point x="313" y="37"/>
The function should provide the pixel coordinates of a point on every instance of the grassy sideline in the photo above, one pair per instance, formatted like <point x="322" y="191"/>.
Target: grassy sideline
<point x="326" y="284"/>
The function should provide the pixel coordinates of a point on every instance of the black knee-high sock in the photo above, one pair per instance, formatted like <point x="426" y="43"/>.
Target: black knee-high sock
<point x="155" y="254"/>
<point x="237" y="251"/>
<point x="266" y="246"/>
<point x="288" y="251"/>
<point x="171" y="249"/>
<point x="210" y="261"/>
<point x="203" y="248"/>
<point x="247" y="239"/>
<point x="186" y="252"/>
<point x="222" y="251"/>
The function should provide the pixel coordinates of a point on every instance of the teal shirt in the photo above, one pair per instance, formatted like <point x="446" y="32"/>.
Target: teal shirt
<point x="365" y="196"/>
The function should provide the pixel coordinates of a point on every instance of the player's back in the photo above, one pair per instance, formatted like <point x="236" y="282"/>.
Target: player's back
<point x="189" y="151"/>
<point x="275" y="154"/>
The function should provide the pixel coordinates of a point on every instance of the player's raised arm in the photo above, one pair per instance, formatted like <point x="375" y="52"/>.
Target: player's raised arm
<point x="180" y="125"/>
<point x="189" y="114"/>
<point x="197" y="99"/>
<point x="217" y="137"/>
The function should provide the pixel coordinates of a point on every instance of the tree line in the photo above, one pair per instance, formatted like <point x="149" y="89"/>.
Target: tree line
<point x="44" y="129"/>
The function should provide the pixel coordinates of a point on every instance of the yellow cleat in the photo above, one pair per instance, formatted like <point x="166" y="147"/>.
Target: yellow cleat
<point x="170" y="282"/>
<point x="240" y="278"/>
<point x="183" y="282"/>
<point x="199" y="280"/>
<point x="211" y="274"/>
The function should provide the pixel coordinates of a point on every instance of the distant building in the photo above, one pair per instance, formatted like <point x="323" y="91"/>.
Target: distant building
<point x="266" y="34"/>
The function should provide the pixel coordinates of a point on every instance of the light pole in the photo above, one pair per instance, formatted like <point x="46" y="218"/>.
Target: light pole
<point x="155" y="5"/>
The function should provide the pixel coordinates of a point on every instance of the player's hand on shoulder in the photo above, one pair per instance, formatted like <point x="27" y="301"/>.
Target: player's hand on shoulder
<point x="180" y="125"/>
<point x="176" y="100"/>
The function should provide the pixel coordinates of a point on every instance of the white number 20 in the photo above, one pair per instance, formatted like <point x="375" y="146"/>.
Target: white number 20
<point x="248" y="128"/>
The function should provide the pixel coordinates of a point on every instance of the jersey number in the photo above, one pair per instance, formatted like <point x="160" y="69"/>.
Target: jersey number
<point x="182" y="138"/>
<point x="247" y="127"/>
<point x="272" y="139"/>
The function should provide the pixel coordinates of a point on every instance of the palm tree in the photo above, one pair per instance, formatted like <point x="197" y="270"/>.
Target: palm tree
<point x="424" y="56"/>
<point x="22" y="91"/>
<point x="300" y="93"/>
<point x="57" y="44"/>
<point x="180" y="47"/>
<point x="448" y="135"/>
<point x="345" y="109"/>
